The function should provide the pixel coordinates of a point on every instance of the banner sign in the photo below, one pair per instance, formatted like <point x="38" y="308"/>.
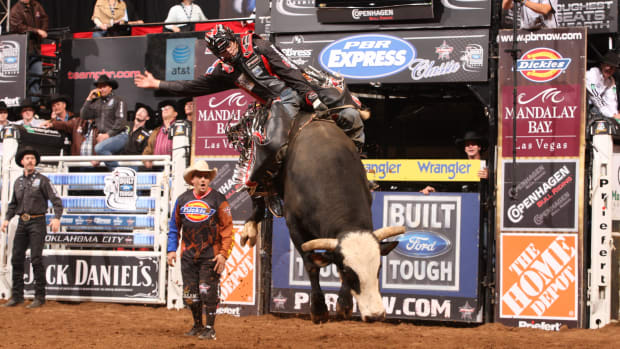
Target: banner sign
<point x="539" y="280"/>
<point x="239" y="281"/>
<point x="13" y="68"/>
<point x="432" y="273"/>
<point x="394" y="57"/>
<point x="114" y="222"/>
<point x="100" y="239"/>
<point x="422" y="170"/>
<point x="98" y="277"/>
<point x="301" y="16"/>
<point x="121" y="58"/>
<point x="550" y="92"/>
<point x="599" y="17"/>
<point x="213" y="113"/>
<point x="240" y="202"/>
<point x="615" y="184"/>
<point x="180" y="59"/>
<point x="547" y="197"/>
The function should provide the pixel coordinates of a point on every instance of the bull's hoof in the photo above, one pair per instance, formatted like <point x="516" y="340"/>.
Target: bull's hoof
<point x="319" y="318"/>
<point x="343" y="312"/>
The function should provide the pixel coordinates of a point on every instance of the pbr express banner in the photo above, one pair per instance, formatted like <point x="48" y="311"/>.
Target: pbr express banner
<point x="541" y="195"/>
<point x="432" y="274"/>
<point x="394" y="57"/>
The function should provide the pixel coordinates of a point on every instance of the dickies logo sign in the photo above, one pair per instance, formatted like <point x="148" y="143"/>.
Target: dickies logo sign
<point x="542" y="64"/>
<point x="367" y="56"/>
<point x="197" y="211"/>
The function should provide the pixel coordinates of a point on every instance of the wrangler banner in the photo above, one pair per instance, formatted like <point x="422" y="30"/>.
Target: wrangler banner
<point x="539" y="280"/>
<point x="423" y="170"/>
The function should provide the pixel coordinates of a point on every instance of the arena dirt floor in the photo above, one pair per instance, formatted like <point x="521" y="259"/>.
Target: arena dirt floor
<point x="101" y="325"/>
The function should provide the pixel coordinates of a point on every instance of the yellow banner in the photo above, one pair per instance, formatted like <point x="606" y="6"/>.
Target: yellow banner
<point x="415" y="170"/>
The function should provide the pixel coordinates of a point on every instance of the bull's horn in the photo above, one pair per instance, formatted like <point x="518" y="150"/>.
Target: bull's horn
<point x="320" y="244"/>
<point x="387" y="232"/>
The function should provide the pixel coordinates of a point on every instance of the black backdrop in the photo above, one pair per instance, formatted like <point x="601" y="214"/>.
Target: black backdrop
<point x="76" y="14"/>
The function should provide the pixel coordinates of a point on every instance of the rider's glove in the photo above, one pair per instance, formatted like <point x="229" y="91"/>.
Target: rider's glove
<point x="313" y="99"/>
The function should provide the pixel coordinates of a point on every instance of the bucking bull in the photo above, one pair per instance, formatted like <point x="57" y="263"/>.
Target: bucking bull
<point x="327" y="206"/>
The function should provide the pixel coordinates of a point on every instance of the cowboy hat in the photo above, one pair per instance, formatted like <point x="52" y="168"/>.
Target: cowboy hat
<point x="199" y="166"/>
<point x="25" y="151"/>
<point x="104" y="79"/>
<point x="27" y="103"/>
<point x="59" y="97"/>
<point x="471" y="136"/>
<point x="168" y="102"/>
<point x="148" y="109"/>
<point x="611" y="58"/>
<point x="3" y="106"/>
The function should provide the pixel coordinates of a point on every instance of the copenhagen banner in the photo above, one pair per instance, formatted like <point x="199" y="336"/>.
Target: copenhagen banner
<point x="13" y="67"/>
<point x="301" y="16"/>
<point x="422" y="170"/>
<point x="432" y="273"/>
<point x="420" y="56"/>
<point x="547" y="197"/>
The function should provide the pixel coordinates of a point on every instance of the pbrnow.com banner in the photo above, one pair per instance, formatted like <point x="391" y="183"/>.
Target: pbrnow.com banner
<point x="432" y="273"/>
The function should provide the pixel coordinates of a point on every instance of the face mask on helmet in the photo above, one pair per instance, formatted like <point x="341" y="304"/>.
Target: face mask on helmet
<point x="218" y="40"/>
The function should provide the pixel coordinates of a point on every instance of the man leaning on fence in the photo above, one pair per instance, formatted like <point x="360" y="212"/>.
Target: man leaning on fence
<point x="31" y="192"/>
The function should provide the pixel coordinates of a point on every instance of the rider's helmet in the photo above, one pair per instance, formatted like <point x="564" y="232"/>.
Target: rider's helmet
<point x="218" y="40"/>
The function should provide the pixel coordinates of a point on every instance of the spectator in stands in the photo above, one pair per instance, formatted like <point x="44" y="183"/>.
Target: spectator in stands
<point x="28" y="16"/>
<point x="185" y="11"/>
<point x="138" y="134"/>
<point x="108" y="13"/>
<point x="473" y="144"/>
<point x="206" y="241"/>
<point x="601" y="87"/>
<point x="160" y="141"/>
<point x="29" y="118"/>
<point x="109" y="112"/>
<point x="59" y="105"/>
<point x="83" y="134"/>
<point x="4" y="120"/>
<point x="31" y="193"/>
<point x="189" y="107"/>
<point x="535" y="14"/>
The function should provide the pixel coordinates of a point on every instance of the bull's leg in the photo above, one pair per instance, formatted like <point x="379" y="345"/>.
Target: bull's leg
<point x="344" y="306"/>
<point x="318" y="309"/>
<point x="250" y="230"/>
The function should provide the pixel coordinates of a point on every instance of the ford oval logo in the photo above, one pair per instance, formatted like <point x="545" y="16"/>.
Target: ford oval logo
<point x="367" y="56"/>
<point x="423" y="244"/>
<point x="181" y="54"/>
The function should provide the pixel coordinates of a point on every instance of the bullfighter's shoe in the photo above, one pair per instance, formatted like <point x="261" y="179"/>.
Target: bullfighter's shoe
<point x="13" y="302"/>
<point x="36" y="303"/>
<point x="207" y="333"/>
<point x="194" y="331"/>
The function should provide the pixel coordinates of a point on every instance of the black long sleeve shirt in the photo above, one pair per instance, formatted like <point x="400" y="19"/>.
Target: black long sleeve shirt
<point x="30" y="195"/>
<point x="109" y="113"/>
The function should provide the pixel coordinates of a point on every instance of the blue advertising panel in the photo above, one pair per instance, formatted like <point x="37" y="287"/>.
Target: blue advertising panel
<point x="180" y="59"/>
<point x="432" y="273"/>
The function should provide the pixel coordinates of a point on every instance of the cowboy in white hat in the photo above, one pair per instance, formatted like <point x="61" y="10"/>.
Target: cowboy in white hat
<point x="204" y="215"/>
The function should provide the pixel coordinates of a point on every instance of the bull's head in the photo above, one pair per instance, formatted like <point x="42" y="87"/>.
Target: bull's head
<point x="358" y="258"/>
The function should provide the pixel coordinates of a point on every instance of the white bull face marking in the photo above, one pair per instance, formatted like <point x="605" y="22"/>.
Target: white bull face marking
<point x="361" y="254"/>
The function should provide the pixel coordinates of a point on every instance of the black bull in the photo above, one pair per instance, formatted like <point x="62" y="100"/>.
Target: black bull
<point x="327" y="206"/>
